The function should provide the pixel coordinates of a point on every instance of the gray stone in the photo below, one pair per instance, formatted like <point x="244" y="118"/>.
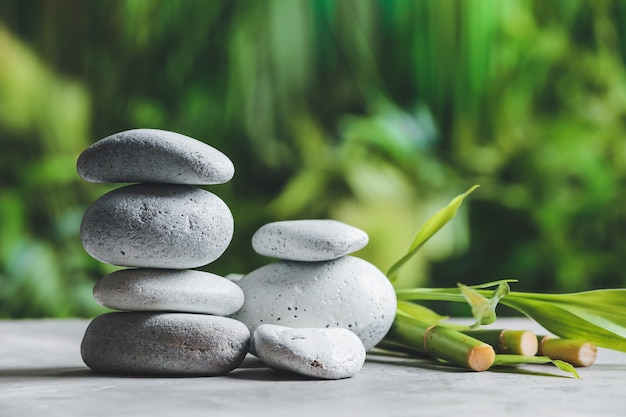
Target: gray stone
<point x="157" y="226"/>
<point x="151" y="155"/>
<point x="347" y="292"/>
<point x="308" y="240"/>
<point x="164" y="344"/>
<point x="332" y="353"/>
<point x="168" y="290"/>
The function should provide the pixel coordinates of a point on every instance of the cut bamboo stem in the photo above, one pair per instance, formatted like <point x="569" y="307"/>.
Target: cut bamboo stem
<point x="441" y="342"/>
<point x="390" y="346"/>
<point x="514" y="342"/>
<point x="576" y="352"/>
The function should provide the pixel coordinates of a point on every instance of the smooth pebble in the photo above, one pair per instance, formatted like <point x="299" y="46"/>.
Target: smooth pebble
<point x="151" y="155"/>
<point x="168" y="290"/>
<point x="332" y="353"/>
<point x="308" y="240"/>
<point x="164" y="344"/>
<point x="157" y="226"/>
<point x="348" y="292"/>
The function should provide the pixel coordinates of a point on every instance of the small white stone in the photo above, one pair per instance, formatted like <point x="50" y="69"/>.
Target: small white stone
<point x="308" y="240"/>
<point x="332" y="353"/>
<point x="152" y="155"/>
<point x="168" y="290"/>
<point x="157" y="226"/>
<point x="348" y="292"/>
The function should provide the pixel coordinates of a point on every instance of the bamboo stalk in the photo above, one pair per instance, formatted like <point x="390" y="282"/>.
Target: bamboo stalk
<point x="515" y="342"/>
<point x="441" y="342"/>
<point x="396" y="348"/>
<point x="576" y="352"/>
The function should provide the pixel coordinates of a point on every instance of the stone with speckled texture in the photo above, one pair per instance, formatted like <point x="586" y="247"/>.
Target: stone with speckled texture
<point x="152" y="155"/>
<point x="187" y="291"/>
<point x="157" y="226"/>
<point x="332" y="353"/>
<point x="308" y="240"/>
<point x="164" y="344"/>
<point x="347" y="292"/>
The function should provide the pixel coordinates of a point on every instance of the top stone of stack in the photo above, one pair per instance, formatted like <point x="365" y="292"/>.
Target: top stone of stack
<point x="154" y="156"/>
<point x="311" y="240"/>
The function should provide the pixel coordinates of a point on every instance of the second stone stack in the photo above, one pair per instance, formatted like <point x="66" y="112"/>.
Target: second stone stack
<point x="173" y="319"/>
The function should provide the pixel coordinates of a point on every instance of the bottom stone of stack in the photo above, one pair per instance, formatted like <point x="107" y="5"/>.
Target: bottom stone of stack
<point x="164" y="344"/>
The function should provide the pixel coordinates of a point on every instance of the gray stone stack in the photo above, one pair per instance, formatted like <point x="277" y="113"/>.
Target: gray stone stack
<point x="173" y="319"/>
<point x="318" y="309"/>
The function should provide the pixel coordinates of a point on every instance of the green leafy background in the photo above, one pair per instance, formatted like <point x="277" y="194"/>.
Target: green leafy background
<point x="376" y="113"/>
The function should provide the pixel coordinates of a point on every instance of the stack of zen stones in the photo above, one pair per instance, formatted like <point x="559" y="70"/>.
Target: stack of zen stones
<point x="317" y="310"/>
<point x="174" y="318"/>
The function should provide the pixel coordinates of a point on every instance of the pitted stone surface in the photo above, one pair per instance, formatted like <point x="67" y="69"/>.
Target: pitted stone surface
<point x="347" y="292"/>
<point x="308" y="240"/>
<point x="157" y="226"/>
<point x="332" y="353"/>
<point x="164" y="344"/>
<point x="168" y="290"/>
<point x="151" y="155"/>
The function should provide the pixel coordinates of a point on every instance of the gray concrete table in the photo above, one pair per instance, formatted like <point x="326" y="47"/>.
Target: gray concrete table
<point x="42" y="374"/>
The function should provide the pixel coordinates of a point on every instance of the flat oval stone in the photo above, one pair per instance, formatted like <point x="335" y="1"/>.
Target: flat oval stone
<point x="332" y="353"/>
<point x="187" y="291"/>
<point x="157" y="226"/>
<point x="347" y="292"/>
<point x="152" y="155"/>
<point x="164" y="344"/>
<point x="308" y="240"/>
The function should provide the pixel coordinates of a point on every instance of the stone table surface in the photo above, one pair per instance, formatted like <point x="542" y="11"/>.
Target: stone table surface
<point x="42" y="374"/>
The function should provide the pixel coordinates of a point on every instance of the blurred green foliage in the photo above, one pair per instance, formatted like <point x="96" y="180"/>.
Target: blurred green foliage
<point x="371" y="112"/>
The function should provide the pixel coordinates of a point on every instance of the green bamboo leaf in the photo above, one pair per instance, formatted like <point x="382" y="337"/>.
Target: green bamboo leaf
<point x="443" y="294"/>
<point x="566" y="367"/>
<point x="596" y="316"/>
<point x="428" y="229"/>
<point x="419" y="312"/>
<point x="430" y="294"/>
<point x="483" y="308"/>
<point x="513" y="360"/>
<point x="492" y="283"/>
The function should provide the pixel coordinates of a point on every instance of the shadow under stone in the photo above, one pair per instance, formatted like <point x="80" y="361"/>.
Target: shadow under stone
<point x="267" y="374"/>
<point x="53" y="372"/>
